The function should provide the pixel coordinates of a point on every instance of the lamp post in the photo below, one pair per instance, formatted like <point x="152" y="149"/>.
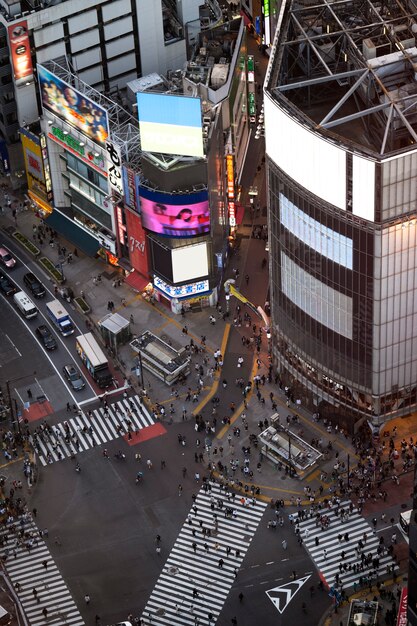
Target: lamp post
<point x="227" y="296"/>
<point x="268" y="336"/>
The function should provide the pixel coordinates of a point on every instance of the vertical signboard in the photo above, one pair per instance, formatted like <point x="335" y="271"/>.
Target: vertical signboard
<point x="131" y="188"/>
<point x="20" y="52"/>
<point x="251" y="89"/>
<point x="231" y="189"/>
<point x="267" y="27"/>
<point x="137" y="243"/>
<point x="114" y="168"/>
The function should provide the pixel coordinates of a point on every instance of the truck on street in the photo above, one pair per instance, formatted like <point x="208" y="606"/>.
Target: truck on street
<point x="94" y="359"/>
<point x="60" y="317"/>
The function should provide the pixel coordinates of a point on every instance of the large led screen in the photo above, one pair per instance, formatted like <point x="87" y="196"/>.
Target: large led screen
<point x="170" y="124"/>
<point x="175" y="215"/>
<point x="72" y="106"/>
<point x="189" y="263"/>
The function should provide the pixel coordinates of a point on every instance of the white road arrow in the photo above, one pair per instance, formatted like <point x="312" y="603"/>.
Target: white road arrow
<point x="281" y="596"/>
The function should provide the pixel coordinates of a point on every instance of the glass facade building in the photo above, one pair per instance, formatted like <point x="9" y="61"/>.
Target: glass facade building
<point x="341" y="143"/>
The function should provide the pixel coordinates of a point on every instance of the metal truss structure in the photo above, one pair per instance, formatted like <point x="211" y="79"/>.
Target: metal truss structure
<point x="124" y="129"/>
<point x="350" y="68"/>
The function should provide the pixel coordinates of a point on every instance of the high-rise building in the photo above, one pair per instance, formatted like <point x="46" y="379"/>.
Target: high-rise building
<point x="341" y="143"/>
<point x="107" y="43"/>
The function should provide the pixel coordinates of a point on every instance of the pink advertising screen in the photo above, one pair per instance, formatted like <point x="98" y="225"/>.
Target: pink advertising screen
<point x="175" y="215"/>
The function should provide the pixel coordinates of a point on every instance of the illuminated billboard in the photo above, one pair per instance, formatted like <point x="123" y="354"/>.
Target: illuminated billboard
<point x="137" y="243"/>
<point x="20" y="52"/>
<point x="32" y="154"/>
<point x="170" y="124"/>
<point x="72" y="106"/>
<point x="179" y="215"/>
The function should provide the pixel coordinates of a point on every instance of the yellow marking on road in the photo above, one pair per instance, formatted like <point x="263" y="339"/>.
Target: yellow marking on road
<point x="215" y="384"/>
<point x="313" y="476"/>
<point x="12" y="462"/>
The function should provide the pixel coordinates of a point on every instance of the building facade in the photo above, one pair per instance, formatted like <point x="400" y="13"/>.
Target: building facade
<point x="341" y="143"/>
<point x="107" y="43"/>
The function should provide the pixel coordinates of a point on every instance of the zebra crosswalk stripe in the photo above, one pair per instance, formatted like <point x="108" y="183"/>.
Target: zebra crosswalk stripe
<point x="26" y="570"/>
<point x="327" y="555"/>
<point x="104" y="429"/>
<point x="171" y="602"/>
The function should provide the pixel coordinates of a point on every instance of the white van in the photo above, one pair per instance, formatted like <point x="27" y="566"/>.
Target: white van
<point x="25" y="305"/>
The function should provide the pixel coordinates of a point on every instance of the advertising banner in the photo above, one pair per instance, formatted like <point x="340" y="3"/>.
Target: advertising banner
<point x="170" y="124"/>
<point x="131" y="182"/>
<point x="73" y="107"/>
<point x="32" y="154"/>
<point x="114" y="167"/>
<point x="179" y="215"/>
<point x="20" y="52"/>
<point x="137" y="243"/>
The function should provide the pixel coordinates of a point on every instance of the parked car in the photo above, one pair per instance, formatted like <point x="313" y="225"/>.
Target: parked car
<point x="46" y="337"/>
<point x="74" y="377"/>
<point x="34" y="284"/>
<point x="7" y="286"/>
<point x="6" y="257"/>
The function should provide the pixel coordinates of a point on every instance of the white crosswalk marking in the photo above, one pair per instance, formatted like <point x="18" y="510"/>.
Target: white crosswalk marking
<point x="343" y="537"/>
<point x="26" y="571"/>
<point x="52" y="447"/>
<point x="172" y="602"/>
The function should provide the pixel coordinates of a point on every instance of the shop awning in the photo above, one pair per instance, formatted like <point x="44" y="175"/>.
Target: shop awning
<point x="136" y="281"/>
<point x="66" y="227"/>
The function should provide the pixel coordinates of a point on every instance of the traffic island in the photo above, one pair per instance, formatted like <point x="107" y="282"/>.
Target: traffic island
<point x="26" y="243"/>
<point x="53" y="271"/>
<point x="82" y="305"/>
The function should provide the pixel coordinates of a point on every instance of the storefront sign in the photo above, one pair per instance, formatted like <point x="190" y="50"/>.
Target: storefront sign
<point x="131" y="182"/>
<point x="20" y="52"/>
<point x="136" y="235"/>
<point x="251" y="69"/>
<point x="181" y="291"/>
<point x="34" y="164"/>
<point x="267" y="27"/>
<point x="114" y="167"/>
<point x="71" y="143"/>
<point x="121" y="228"/>
<point x="230" y="177"/>
<point x="402" y="609"/>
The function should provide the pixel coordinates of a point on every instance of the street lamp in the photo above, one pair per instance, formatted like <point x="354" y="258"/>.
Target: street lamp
<point x="227" y="296"/>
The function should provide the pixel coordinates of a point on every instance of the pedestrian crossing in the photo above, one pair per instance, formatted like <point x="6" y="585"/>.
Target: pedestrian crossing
<point x="343" y="537"/>
<point x="41" y="590"/>
<point x="199" y="567"/>
<point x="104" y="425"/>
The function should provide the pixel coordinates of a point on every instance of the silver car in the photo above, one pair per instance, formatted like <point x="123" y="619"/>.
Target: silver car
<point x="74" y="377"/>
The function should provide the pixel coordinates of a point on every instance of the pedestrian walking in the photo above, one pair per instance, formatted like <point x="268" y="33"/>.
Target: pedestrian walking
<point x="45" y="612"/>
<point x="180" y="490"/>
<point x="30" y="395"/>
<point x="284" y="544"/>
<point x="149" y="464"/>
<point x="220" y="563"/>
<point x="325" y="554"/>
<point x="45" y="564"/>
<point x="34" y="511"/>
<point x="87" y="599"/>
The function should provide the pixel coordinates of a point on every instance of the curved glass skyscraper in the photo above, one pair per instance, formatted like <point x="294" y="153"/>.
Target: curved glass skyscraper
<point x="341" y="143"/>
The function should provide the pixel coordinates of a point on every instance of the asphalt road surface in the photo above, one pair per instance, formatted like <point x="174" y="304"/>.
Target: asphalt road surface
<point x="107" y="526"/>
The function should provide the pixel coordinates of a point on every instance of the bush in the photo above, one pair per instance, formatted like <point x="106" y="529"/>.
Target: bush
<point x="26" y="243"/>
<point x="82" y="305"/>
<point x="51" y="269"/>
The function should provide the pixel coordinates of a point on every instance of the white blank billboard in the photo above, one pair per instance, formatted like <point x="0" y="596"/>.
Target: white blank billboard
<point x="324" y="304"/>
<point x="363" y="188"/>
<point x="305" y="156"/>
<point x="189" y="263"/>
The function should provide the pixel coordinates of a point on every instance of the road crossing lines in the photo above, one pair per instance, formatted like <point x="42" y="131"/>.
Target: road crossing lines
<point x="190" y="568"/>
<point x="86" y="433"/>
<point x="27" y="572"/>
<point x="327" y="555"/>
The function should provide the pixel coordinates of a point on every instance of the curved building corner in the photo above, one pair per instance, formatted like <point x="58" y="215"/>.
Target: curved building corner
<point x="341" y="143"/>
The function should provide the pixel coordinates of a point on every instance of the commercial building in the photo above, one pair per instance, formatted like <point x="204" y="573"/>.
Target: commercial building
<point x="107" y="42"/>
<point x="132" y="183"/>
<point x="341" y="143"/>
